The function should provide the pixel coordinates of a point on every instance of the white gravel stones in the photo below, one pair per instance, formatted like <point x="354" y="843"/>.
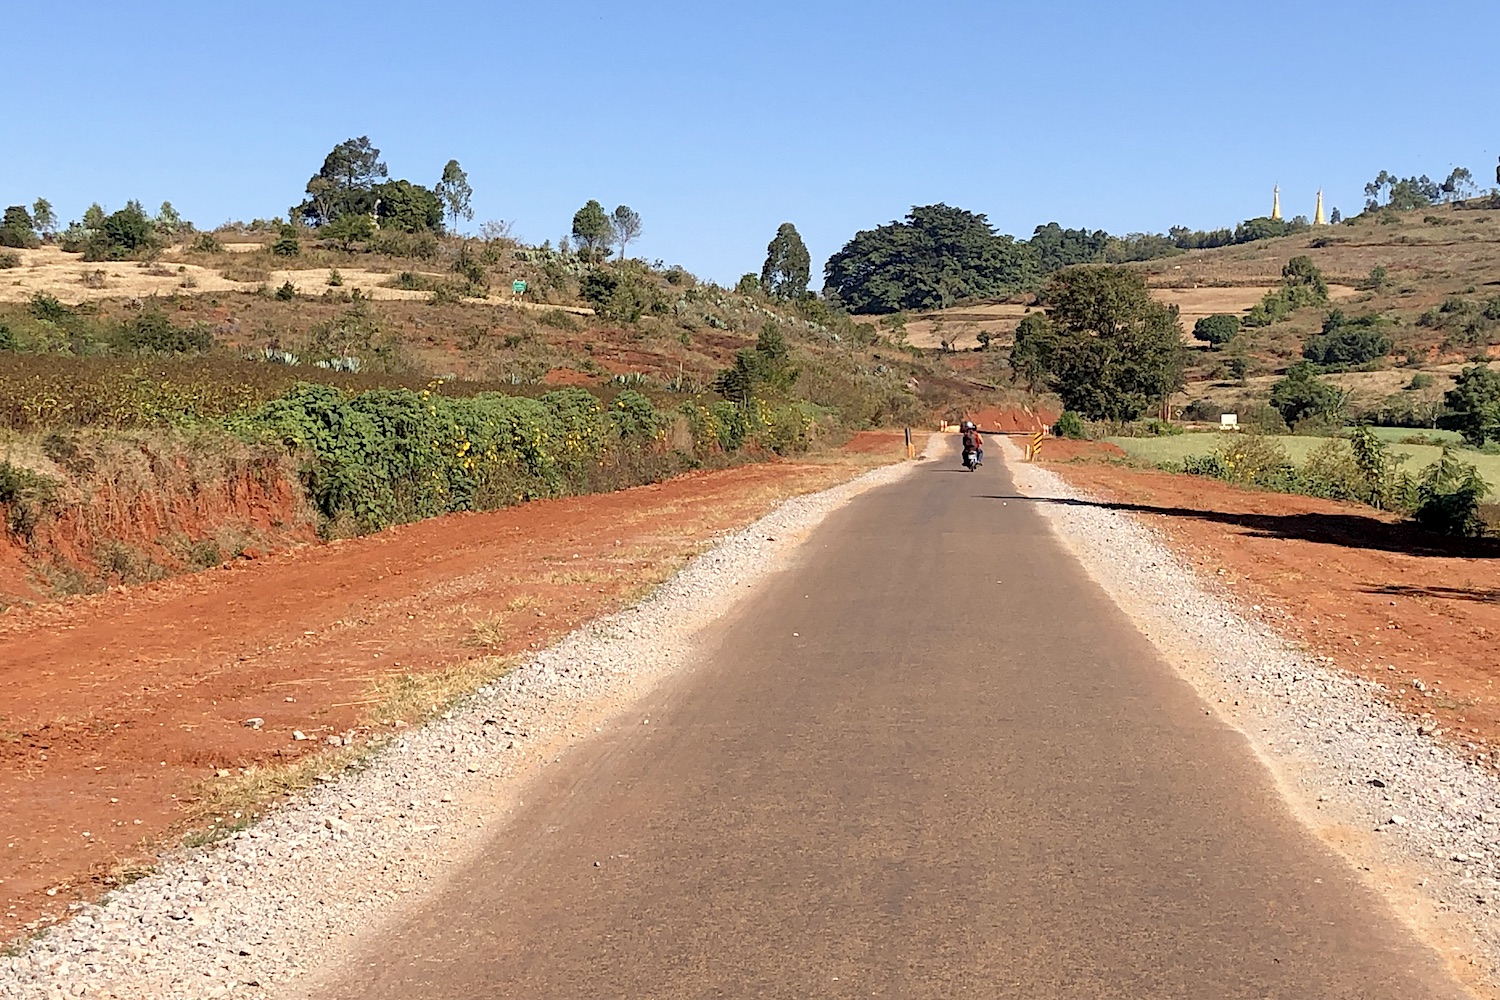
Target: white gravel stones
<point x="251" y="915"/>
<point x="1341" y="754"/>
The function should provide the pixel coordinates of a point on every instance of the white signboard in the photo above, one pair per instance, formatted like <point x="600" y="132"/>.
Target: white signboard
<point x="1228" y="420"/>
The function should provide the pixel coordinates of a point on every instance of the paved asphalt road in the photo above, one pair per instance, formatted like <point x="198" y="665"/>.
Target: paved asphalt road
<point x="933" y="760"/>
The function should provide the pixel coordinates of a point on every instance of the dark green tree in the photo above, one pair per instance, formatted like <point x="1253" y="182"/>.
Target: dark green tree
<point x="937" y="256"/>
<point x="93" y="217"/>
<point x="788" y="267"/>
<point x="624" y="227"/>
<point x="122" y="234"/>
<point x="1057" y="248"/>
<point x="348" y="230"/>
<point x="1119" y="351"/>
<point x="408" y="207"/>
<point x="345" y="183"/>
<point x="1473" y="405"/>
<point x="1262" y="228"/>
<point x="1033" y="350"/>
<point x="1301" y="395"/>
<point x="1348" y="341"/>
<point x="1218" y="329"/>
<point x="18" y="229"/>
<point x="455" y="193"/>
<point x="591" y="228"/>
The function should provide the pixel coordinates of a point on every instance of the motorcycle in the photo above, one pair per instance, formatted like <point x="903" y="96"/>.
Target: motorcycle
<point x="971" y="459"/>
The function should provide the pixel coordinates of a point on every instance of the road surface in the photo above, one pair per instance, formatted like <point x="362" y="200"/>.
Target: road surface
<point x="931" y="760"/>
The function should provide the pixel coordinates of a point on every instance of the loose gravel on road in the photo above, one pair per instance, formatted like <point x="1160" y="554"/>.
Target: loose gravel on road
<point x="255" y="913"/>
<point x="1420" y="821"/>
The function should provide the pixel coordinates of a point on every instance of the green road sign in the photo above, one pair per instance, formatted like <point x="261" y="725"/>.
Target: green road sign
<point x="519" y="287"/>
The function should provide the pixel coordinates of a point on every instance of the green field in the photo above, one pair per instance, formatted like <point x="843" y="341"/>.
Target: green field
<point x="1418" y="456"/>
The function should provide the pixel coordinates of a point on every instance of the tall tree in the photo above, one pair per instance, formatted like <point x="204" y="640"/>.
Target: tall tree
<point x="937" y="256"/>
<point x="788" y="267"/>
<point x="592" y="229"/>
<point x="1118" y="351"/>
<point x="17" y="228"/>
<point x="344" y="183"/>
<point x="455" y="192"/>
<point x="44" y="217"/>
<point x="625" y="226"/>
<point x="168" y="220"/>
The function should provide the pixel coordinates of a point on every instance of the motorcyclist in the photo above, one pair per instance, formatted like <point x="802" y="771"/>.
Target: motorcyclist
<point x="973" y="442"/>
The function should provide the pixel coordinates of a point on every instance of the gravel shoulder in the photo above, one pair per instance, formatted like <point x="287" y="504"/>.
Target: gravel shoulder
<point x="1420" y="823"/>
<point x="259" y="912"/>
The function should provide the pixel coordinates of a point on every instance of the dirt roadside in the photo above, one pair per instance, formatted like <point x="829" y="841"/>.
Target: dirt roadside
<point x="1377" y="597"/>
<point x="119" y="711"/>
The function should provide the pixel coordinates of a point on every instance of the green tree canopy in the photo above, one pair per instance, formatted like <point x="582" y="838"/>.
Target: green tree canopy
<point x="43" y="215"/>
<point x="408" y="207"/>
<point x="1401" y="193"/>
<point x="788" y="267"/>
<point x="1301" y="395"/>
<point x="455" y="193"/>
<point x="1348" y="341"/>
<point x="1473" y="405"/>
<point x="1033" y="350"/>
<point x="624" y="226"/>
<point x="591" y="227"/>
<point x="345" y="183"/>
<point x="1118" y="351"/>
<point x="18" y="228"/>
<point x="1057" y="248"/>
<point x="937" y="256"/>
<point x="1218" y="329"/>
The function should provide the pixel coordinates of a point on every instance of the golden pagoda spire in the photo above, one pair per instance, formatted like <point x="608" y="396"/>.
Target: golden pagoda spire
<point x="1276" y="202"/>
<point x="1319" y="219"/>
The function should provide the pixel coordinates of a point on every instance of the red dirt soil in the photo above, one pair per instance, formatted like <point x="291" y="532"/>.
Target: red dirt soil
<point x="1012" y="420"/>
<point x="117" y="708"/>
<point x="1379" y="597"/>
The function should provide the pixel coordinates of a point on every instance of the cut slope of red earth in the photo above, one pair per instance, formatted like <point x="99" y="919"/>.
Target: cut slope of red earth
<point x="1384" y="600"/>
<point x="1012" y="420"/>
<point x="116" y="707"/>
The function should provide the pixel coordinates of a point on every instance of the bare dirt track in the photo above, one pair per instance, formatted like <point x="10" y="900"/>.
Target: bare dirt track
<point x="119" y="710"/>
<point x="1381" y="598"/>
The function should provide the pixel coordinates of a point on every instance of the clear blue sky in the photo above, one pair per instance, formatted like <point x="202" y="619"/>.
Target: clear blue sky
<point x="717" y="122"/>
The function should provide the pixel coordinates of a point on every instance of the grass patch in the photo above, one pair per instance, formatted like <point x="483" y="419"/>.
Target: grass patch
<point x="1298" y="448"/>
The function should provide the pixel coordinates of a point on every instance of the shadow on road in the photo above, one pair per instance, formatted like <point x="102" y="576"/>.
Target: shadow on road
<point x="1353" y="531"/>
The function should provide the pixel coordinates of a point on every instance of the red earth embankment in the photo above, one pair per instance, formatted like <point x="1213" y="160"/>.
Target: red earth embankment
<point x="120" y="709"/>
<point x="122" y="509"/>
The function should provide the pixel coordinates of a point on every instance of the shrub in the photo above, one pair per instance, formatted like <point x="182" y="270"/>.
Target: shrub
<point x="559" y="320"/>
<point x="287" y="244"/>
<point x="620" y="293"/>
<point x="287" y="292"/>
<point x="1217" y="329"/>
<point x="1251" y="458"/>
<point x="207" y="243"/>
<point x="1346" y="341"/>
<point x="25" y="496"/>
<point x="152" y="333"/>
<point x="1473" y="405"/>
<point x="1448" y="497"/>
<point x="1377" y="279"/>
<point x="1421" y="380"/>
<point x="9" y="259"/>
<point x="1070" y="425"/>
<point x="335" y="280"/>
<point x="1301" y="395"/>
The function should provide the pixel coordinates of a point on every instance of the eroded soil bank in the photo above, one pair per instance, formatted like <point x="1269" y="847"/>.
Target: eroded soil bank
<point x="123" y="711"/>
